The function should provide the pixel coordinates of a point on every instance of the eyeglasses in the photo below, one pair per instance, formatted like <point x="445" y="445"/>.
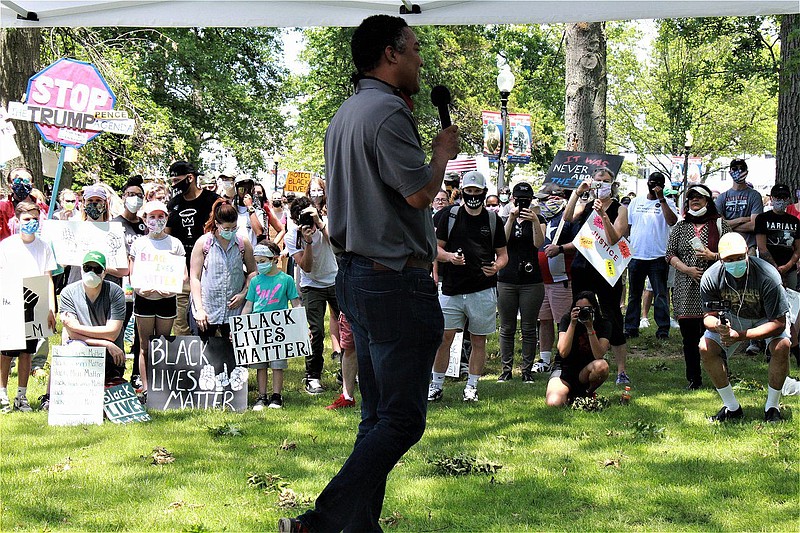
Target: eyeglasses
<point x="97" y="269"/>
<point x="440" y="200"/>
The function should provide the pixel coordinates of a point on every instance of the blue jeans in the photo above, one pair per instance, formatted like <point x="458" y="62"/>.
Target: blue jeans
<point x="397" y="326"/>
<point x="656" y="270"/>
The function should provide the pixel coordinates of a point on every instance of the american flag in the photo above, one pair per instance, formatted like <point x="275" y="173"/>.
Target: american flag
<point x="461" y="165"/>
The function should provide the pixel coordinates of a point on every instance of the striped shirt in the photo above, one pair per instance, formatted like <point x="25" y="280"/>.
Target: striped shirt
<point x="222" y="278"/>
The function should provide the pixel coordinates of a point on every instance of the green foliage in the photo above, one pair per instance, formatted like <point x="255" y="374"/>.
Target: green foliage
<point x="225" y="430"/>
<point x="589" y="404"/>
<point x="646" y="431"/>
<point x="462" y="465"/>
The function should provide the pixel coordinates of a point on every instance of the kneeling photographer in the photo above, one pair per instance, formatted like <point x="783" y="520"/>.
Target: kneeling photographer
<point x="743" y="299"/>
<point x="583" y="340"/>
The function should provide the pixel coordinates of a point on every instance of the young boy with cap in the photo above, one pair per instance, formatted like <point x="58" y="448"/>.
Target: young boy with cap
<point x="269" y="290"/>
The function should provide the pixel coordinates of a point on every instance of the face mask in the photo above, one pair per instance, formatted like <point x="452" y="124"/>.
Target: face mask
<point x="21" y="189"/>
<point x="95" y="210"/>
<point x="473" y="201"/>
<point x="315" y="194"/>
<point x="276" y="203"/>
<point x="258" y="200"/>
<point x="226" y="234"/>
<point x="780" y="205"/>
<point x="69" y="206"/>
<point x="503" y="198"/>
<point x="652" y="185"/>
<point x="604" y="191"/>
<point x="30" y="227"/>
<point x="181" y="187"/>
<point x="494" y="208"/>
<point x="264" y="268"/>
<point x="133" y="203"/>
<point x="156" y="225"/>
<point x="552" y="208"/>
<point x="739" y="176"/>
<point x="91" y="280"/>
<point x="736" y="268"/>
<point x="700" y="212"/>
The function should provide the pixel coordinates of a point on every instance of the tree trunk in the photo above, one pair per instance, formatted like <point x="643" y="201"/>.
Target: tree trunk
<point x="585" y="106"/>
<point x="787" y="155"/>
<point x="19" y="60"/>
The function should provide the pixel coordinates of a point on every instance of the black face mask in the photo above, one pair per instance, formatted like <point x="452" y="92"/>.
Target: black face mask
<point x="652" y="185"/>
<point x="181" y="187"/>
<point x="276" y="203"/>
<point x="473" y="201"/>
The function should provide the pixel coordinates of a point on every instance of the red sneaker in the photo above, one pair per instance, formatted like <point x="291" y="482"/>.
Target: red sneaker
<point x="340" y="402"/>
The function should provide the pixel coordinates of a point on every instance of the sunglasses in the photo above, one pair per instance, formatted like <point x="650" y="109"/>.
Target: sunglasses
<point x="694" y="196"/>
<point x="97" y="269"/>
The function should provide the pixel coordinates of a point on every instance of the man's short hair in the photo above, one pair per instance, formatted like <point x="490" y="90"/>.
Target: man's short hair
<point x="26" y="207"/>
<point x="372" y="37"/>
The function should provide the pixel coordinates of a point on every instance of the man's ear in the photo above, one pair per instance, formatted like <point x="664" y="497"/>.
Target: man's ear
<point x="389" y="53"/>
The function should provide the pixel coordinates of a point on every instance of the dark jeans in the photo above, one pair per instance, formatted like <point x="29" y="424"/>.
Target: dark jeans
<point x="316" y="302"/>
<point x="656" y="270"/>
<point x="397" y="326"/>
<point x="691" y="331"/>
<point x="527" y="299"/>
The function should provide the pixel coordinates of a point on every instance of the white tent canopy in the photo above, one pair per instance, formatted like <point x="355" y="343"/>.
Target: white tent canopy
<point x="304" y="13"/>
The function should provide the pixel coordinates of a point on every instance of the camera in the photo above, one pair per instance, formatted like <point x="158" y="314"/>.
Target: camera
<point x="306" y="220"/>
<point x="523" y="203"/>
<point x="525" y="267"/>
<point x="596" y="185"/>
<point x="585" y="313"/>
<point x="723" y="307"/>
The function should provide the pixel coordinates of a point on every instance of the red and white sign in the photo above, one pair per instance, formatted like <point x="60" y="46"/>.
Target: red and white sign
<point x="67" y="91"/>
<point x="610" y="260"/>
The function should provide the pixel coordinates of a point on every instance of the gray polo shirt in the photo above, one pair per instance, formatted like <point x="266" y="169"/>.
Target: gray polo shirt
<point x="373" y="161"/>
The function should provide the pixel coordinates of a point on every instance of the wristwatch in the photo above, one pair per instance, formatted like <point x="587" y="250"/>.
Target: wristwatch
<point x="251" y="209"/>
<point x="560" y="249"/>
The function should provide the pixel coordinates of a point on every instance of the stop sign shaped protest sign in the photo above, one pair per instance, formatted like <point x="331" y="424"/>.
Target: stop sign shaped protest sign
<point x="68" y="92"/>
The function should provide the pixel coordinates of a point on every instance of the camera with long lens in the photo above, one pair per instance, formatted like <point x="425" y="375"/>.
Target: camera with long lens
<point x="585" y="313"/>
<point x="525" y="267"/>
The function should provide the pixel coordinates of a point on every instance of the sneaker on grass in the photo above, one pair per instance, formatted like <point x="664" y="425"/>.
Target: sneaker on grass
<point x="21" y="404"/>
<point x="527" y="377"/>
<point x="261" y="402"/>
<point x="44" y="402"/>
<point x="314" y="386"/>
<point x="622" y="378"/>
<point x="540" y="367"/>
<point x="275" y="401"/>
<point x="470" y="394"/>
<point x="726" y="414"/>
<point x="341" y="402"/>
<point x="434" y="394"/>
<point x="773" y="415"/>
<point x="644" y="323"/>
<point x="504" y="376"/>
<point x="291" y="525"/>
<point x="5" y="405"/>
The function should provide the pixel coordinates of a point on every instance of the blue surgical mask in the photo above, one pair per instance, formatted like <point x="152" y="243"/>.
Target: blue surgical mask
<point x="264" y="268"/>
<point x="30" y="227"/>
<point x="226" y="234"/>
<point x="736" y="268"/>
<point x="779" y="205"/>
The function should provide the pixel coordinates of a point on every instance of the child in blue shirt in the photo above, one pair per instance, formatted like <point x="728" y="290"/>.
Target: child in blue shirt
<point x="270" y="290"/>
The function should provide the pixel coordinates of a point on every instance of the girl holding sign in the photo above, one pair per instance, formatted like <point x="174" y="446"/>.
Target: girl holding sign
<point x="155" y="308"/>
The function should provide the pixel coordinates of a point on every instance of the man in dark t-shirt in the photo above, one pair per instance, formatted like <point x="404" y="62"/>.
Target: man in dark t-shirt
<point x="778" y="236"/>
<point x="189" y="210"/>
<point x="472" y="249"/>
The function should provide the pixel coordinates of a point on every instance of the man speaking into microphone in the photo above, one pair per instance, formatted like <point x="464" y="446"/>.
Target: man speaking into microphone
<point x="380" y="188"/>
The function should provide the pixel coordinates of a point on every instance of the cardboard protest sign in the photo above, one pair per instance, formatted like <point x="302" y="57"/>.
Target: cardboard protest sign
<point x="454" y="363"/>
<point x="187" y="373"/>
<point x="73" y="239"/>
<point x="270" y="336"/>
<point x="122" y="406"/>
<point x="12" y="309"/>
<point x="77" y="377"/>
<point x="569" y="169"/>
<point x="609" y="260"/>
<point x="36" y="297"/>
<point x="297" y="181"/>
<point x="161" y="271"/>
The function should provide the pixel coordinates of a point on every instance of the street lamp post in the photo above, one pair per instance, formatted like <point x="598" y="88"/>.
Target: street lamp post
<point x="687" y="145"/>
<point x="276" y="159"/>
<point x="505" y="84"/>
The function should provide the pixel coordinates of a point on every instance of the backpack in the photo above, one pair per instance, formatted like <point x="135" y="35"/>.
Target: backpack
<point x="454" y="213"/>
<point x="239" y="243"/>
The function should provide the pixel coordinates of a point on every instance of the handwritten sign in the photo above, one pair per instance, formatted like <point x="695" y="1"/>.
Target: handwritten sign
<point x="36" y="298"/>
<point x="297" y="181"/>
<point x="76" y="385"/>
<point x="73" y="239"/>
<point x="161" y="271"/>
<point x="454" y="363"/>
<point x="270" y="336"/>
<point x="187" y="373"/>
<point x="122" y="406"/>
<point x="12" y="326"/>
<point x="569" y="169"/>
<point x="609" y="260"/>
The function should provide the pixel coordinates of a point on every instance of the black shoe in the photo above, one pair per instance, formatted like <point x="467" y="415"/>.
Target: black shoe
<point x="44" y="402"/>
<point x="631" y="334"/>
<point x="773" y="415"/>
<point x="339" y="378"/>
<point x="336" y="356"/>
<point x="662" y="338"/>
<point x="313" y="386"/>
<point x="291" y="525"/>
<point x="726" y="414"/>
<point x="694" y="385"/>
<point x="527" y="377"/>
<point x="504" y="376"/>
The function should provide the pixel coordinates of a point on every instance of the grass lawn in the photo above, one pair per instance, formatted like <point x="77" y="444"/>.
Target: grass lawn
<point x="656" y="464"/>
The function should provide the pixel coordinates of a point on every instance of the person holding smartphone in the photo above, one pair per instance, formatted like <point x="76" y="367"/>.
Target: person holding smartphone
<point x="583" y="340"/>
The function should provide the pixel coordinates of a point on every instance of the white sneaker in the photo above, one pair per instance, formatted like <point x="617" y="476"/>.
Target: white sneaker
<point x="434" y="393"/>
<point x="644" y="323"/>
<point x="791" y="387"/>
<point x="470" y="394"/>
<point x="674" y="324"/>
<point x="540" y="367"/>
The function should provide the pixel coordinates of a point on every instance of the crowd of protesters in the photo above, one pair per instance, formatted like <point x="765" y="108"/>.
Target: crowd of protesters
<point x="502" y="259"/>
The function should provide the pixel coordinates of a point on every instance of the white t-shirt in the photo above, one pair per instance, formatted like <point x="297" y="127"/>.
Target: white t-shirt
<point x="25" y="260"/>
<point x="245" y="227"/>
<point x="324" y="267"/>
<point x="145" y="244"/>
<point x="649" y="229"/>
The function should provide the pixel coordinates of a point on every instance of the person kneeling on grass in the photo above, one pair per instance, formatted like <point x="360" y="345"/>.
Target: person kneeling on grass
<point x="270" y="290"/>
<point x="583" y="340"/>
<point x="748" y="294"/>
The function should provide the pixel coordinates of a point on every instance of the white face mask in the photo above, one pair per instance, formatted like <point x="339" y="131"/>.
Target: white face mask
<point x="604" y="191"/>
<point x="133" y="203"/>
<point x="91" y="280"/>
<point x="700" y="212"/>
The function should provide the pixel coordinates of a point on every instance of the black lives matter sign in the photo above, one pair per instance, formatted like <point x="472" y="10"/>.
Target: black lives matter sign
<point x="569" y="169"/>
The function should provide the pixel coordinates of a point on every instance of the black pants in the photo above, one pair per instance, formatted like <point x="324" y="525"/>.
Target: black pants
<point x="316" y="301"/>
<point x="691" y="331"/>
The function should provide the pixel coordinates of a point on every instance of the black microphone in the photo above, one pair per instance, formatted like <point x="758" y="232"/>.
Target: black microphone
<point x="440" y="98"/>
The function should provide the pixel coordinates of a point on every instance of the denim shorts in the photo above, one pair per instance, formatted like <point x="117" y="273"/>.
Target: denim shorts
<point x="479" y="307"/>
<point x="280" y="364"/>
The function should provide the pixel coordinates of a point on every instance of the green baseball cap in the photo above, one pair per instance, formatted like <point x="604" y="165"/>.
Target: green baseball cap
<point x="95" y="257"/>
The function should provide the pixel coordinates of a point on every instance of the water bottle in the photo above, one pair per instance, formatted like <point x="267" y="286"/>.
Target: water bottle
<point x="626" y="396"/>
